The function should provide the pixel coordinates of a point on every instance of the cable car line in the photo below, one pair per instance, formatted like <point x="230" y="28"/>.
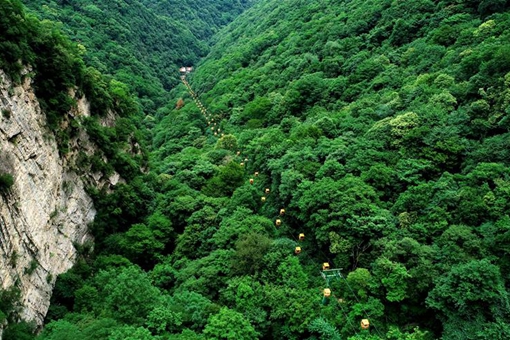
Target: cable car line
<point x="346" y="317"/>
<point x="327" y="273"/>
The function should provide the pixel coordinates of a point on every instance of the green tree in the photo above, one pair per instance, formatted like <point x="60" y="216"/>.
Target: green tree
<point x="127" y="294"/>
<point x="61" y="330"/>
<point x="250" y="251"/>
<point x="228" y="178"/>
<point x="131" y="333"/>
<point x="163" y="319"/>
<point x="141" y="244"/>
<point x="229" y="324"/>
<point x="240" y="223"/>
<point x="326" y="330"/>
<point x="227" y="142"/>
<point x="469" y="295"/>
<point x="393" y="277"/>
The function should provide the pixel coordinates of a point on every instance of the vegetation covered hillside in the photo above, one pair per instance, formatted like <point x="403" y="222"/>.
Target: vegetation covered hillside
<point x="38" y="50"/>
<point x="380" y="127"/>
<point x="141" y="43"/>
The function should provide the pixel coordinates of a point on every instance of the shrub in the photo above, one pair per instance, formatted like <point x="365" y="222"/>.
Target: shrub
<point x="6" y="182"/>
<point x="6" y="113"/>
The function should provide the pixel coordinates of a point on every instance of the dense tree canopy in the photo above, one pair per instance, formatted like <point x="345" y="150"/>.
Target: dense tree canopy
<point x="141" y="43"/>
<point x="380" y="127"/>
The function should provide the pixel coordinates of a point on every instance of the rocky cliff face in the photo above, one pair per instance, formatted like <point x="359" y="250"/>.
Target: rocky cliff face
<point x="46" y="212"/>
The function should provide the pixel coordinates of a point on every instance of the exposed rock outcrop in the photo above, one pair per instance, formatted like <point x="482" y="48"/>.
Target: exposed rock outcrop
<point x="46" y="212"/>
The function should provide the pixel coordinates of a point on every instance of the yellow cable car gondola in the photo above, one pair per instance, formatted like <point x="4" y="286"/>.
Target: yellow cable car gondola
<point x="365" y="324"/>
<point x="326" y="294"/>
<point x="297" y="251"/>
<point x="301" y="237"/>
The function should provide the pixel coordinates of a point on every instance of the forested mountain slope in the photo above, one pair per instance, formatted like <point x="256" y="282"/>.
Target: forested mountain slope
<point x="141" y="42"/>
<point x="66" y="134"/>
<point x="203" y="18"/>
<point x="381" y="127"/>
